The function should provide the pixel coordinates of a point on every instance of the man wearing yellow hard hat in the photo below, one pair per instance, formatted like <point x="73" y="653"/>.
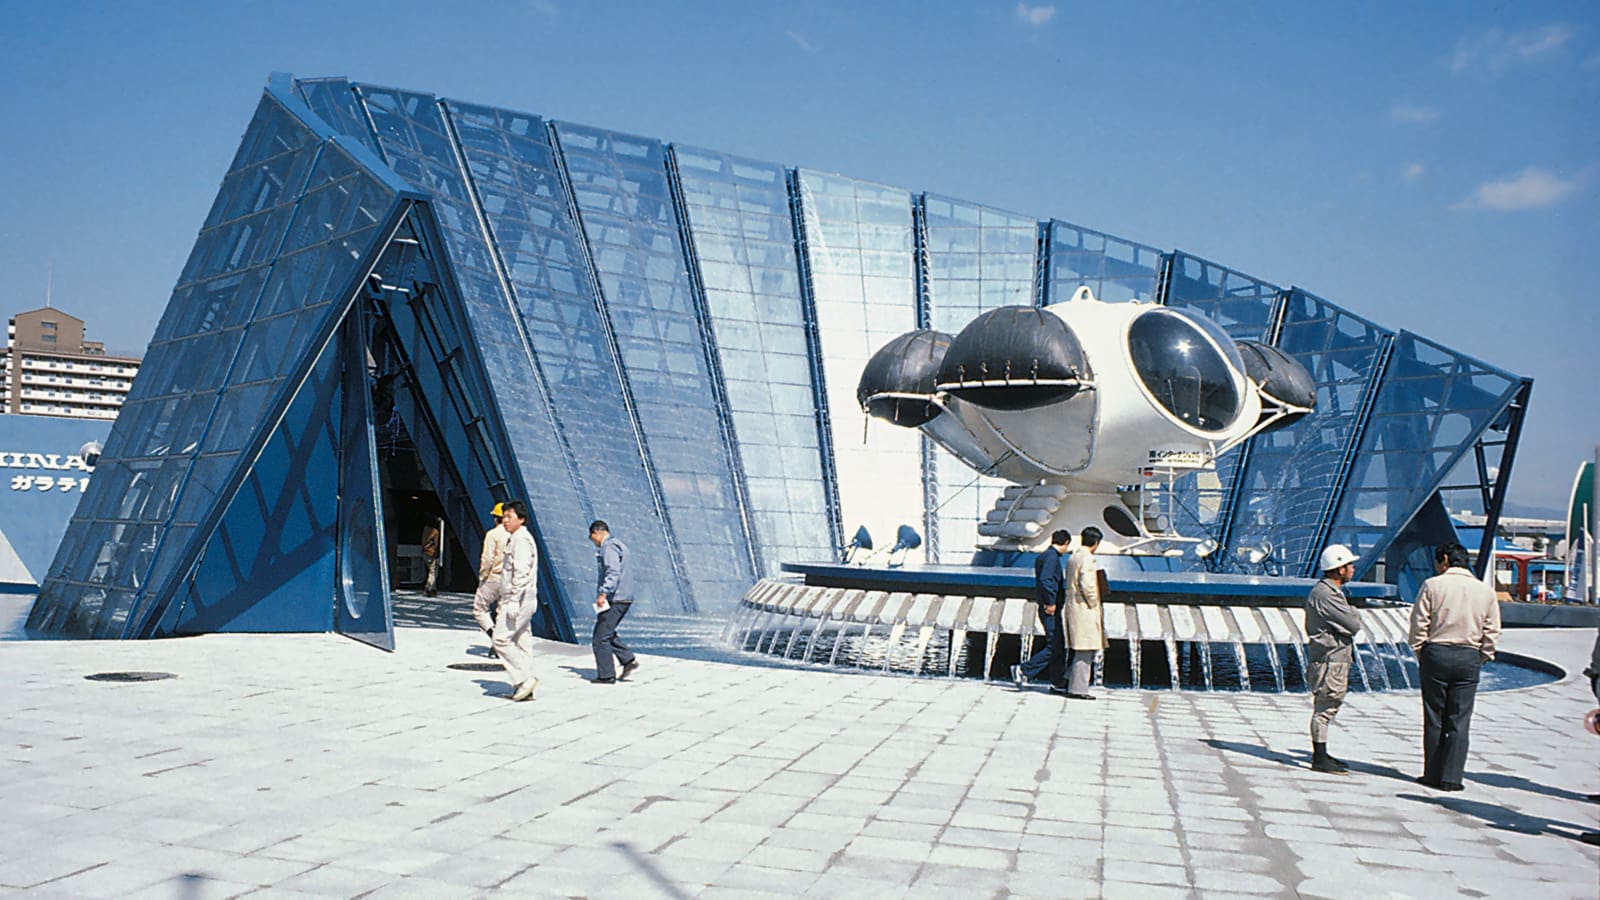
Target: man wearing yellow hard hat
<point x="490" y="565"/>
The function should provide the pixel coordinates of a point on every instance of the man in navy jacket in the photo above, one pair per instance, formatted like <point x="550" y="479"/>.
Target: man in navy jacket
<point x="1049" y="589"/>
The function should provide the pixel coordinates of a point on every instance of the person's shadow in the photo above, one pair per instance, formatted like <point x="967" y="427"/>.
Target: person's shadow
<point x="493" y="688"/>
<point x="1301" y="759"/>
<point x="1502" y="818"/>
<point x="1495" y="779"/>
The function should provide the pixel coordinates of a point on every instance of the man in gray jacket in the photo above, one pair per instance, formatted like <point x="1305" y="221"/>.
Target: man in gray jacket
<point x="1331" y="627"/>
<point x="614" y="595"/>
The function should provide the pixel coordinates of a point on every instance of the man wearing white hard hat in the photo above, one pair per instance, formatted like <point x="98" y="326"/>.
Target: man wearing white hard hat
<point x="1331" y="628"/>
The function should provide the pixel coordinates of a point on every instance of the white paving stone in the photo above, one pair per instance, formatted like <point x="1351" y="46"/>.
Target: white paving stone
<point x="308" y="765"/>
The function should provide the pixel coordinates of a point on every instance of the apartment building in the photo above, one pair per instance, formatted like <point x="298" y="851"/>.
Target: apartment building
<point x="48" y="369"/>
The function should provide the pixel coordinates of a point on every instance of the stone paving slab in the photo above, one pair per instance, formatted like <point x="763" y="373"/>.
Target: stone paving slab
<point x="310" y="765"/>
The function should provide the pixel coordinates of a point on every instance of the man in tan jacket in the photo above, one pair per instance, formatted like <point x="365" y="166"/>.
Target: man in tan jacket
<point x="487" y="597"/>
<point x="1083" y="614"/>
<point x="1454" y="625"/>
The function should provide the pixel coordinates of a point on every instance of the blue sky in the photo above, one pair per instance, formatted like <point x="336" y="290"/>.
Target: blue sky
<point x="1431" y="166"/>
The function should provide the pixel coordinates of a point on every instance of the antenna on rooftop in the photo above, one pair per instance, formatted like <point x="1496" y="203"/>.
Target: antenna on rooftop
<point x="49" y="281"/>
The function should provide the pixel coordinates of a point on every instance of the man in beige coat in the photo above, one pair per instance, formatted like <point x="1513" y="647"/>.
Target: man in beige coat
<point x="1083" y="615"/>
<point x="519" y="600"/>
<point x="1455" y="622"/>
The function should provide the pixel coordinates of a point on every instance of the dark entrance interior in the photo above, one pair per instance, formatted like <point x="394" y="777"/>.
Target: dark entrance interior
<point x="410" y="505"/>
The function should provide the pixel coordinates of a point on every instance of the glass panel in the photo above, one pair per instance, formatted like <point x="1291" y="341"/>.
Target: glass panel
<point x="978" y="259"/>
<point x="852" y="227"/>
<point x="744" y="237"/>
<point x="626" y="207"/>
<point x="1293" y="471"/>
<point x="1114" y="269"/>
<point x="548" y="335"/>
<point x="1410" y="443"/>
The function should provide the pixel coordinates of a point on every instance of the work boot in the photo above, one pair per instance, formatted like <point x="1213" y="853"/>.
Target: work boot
<point x="1322" y="762"/>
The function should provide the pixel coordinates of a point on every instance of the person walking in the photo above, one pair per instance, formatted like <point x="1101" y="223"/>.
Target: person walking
<point x="430" y="556"/>
<point x="519" y="600"/>
<point x="1049" y="590"/>
<point x="487" y="596"/>
<point x="1455" y="622"/>
<point x="1331" y="628"/>
<point x="613" y="597"/>
<point x="1085" y="617"/>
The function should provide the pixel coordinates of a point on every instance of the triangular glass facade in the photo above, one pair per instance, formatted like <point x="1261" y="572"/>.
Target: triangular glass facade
<point x="665" y="337"/>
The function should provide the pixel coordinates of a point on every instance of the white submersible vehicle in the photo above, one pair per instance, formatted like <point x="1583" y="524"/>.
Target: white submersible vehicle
<point x="1090" y="410"/>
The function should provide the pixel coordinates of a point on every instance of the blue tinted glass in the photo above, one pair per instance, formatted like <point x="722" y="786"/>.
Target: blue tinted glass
<point x="1114" y="269"/>
<point x="624" y="200"/>
<point x="743" y="236"/>
<point x="336" y="103"/>
<point x="231" y="268"/>
<point x="860" y="255"/>
<point x="567" y="354"/>
<point x="248" y="581"/>
<point x="978" y="259"/>
<point x="1292" y="472"/>
<point x="1242" y="305"/>
<point x="1431" y="405"/>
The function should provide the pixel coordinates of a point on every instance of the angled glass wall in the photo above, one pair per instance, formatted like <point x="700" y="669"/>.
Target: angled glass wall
<point x="553" y="300"/>
<point x="265" y="285"/>
<point x="1115" y="269"/>
<point x="1432" y="404"/>
<point x="626" y="206"/>
<point x="670" y="339"/>
<point x="250" y="580"/>
<point x="416" y="141"/>
<point x="1245" y="307"/>
<point x="978" y="259"/>
<point x="743" y="236"/>
<point x="859" y="252"/>
<point x="1293" y="473"/>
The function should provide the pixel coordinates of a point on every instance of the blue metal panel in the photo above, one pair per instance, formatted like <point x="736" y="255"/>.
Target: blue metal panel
<point x="978" y="258"/>
<point x="42" y="478"/>
<point x="739" y="217"/>
<point x="1115" y="269"/>
<point x="543" y="269"/>
<point x="626" y="209"/>
<point x="1431" y="406"/>
<point x="859" y="248"/>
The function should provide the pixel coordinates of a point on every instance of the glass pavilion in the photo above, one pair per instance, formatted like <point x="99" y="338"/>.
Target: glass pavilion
<point x="665" y="337"/>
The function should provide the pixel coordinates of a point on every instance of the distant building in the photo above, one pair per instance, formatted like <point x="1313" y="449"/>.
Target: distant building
<point x="48" y="369"/>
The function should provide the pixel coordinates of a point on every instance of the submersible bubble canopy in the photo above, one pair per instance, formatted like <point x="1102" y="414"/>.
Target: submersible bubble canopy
<point x="897" y="382"/>
<point x="1014" y="357"/>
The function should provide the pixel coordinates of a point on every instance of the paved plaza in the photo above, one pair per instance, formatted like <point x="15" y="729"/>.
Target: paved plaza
<point x="287" y="765"/>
